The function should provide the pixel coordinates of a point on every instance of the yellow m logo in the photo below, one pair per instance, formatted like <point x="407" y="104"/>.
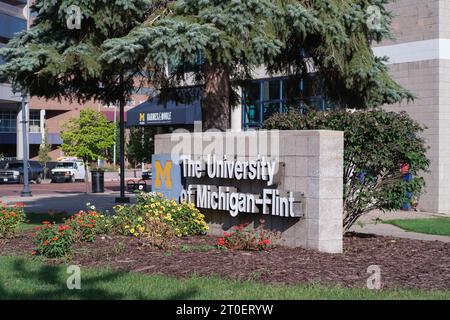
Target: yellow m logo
<point x="163" y="174"/>
<point x="141" y="117"/>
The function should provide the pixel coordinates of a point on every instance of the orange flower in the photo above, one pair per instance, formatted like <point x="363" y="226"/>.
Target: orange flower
<point x="46" y="243"/>
<point x="46" y="222"/>
<point x="55" y="238"/>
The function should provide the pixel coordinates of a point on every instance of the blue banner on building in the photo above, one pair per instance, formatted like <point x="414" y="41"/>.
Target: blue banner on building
<point x="167" y="177"/>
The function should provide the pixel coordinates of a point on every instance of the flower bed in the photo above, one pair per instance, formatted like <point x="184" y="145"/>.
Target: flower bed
<point x="154" y="219"/>
<point x="243" y="237"/>
<point x="157" y="220"/>
<point x="10" y="219"/>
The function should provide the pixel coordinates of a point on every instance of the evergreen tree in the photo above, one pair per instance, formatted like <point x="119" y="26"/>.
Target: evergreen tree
<point x="57" y="60"/>
<point x="120" y="38"/>
<point x="60" y="56"/>
<point x="290" y="37"/>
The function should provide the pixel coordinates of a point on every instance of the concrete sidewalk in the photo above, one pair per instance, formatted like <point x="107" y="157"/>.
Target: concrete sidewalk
<point x="369" y="225"/>
<point x="68" y="203"/>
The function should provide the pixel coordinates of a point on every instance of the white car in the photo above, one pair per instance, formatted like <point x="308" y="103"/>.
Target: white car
<point x="69" y="171"/>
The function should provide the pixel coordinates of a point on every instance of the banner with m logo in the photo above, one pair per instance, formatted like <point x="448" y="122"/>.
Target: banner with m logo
<point x="166" y="175"/>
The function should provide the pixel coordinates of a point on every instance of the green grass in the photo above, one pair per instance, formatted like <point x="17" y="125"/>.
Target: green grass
<point x="35" y="219"/>
<point x="435" y="226"/>
<point x="24" y="278"/>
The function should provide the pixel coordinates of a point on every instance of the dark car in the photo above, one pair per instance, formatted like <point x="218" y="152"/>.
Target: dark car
<point x="13" y="172"/>
<point x="147" y="175"/>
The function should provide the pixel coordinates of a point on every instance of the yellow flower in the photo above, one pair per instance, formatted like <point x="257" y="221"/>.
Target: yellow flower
<point x="132" y="231"/>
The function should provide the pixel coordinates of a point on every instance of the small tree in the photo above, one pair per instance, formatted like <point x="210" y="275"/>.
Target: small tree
<point x="88" y="137"/>
<point x="141" y="145"/>
<point x="377" y="144"/>
<point x="43" y="156"/>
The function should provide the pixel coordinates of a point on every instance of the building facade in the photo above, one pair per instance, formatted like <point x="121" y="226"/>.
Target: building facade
<point x="420" y="61"/>
<point x="46" y="117"/>
<point x="12" y="20"/>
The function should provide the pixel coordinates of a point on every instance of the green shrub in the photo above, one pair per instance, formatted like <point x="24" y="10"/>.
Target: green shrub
<point x="185" y="219"/>
<point x="54" y="241"/>
<point x="11" y="218"/>
<point x="377" y="144"/>
<point x="86" y="225"/>
<point x="156" y="232"/>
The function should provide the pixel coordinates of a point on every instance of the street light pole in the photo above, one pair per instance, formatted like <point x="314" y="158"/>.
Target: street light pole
<point x="115" y="136"/>
<point x="26" y="192"/>
<point x="122" y="198"/>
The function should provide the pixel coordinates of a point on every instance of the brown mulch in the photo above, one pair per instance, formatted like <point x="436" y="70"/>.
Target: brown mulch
<point x="404" y="263"/>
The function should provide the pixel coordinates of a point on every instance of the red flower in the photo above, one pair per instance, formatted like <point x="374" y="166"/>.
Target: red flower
<point x="266" y="241"/>
<point x="221" y="242"/>
<point x="37" y="228"/>
<point x="46" y="243"/>
<point x="226" y="235"/>
<point x="34" y="253"/>
<point x="46" y="222"/>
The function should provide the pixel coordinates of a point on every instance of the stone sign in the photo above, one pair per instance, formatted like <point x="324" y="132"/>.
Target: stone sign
<point x="291" y="179"/>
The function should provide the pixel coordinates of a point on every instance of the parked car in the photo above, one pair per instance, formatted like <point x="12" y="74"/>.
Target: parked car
<point x="147" y="175"/>
<point x="13" y="172"/>
<point x="68" y="171"/>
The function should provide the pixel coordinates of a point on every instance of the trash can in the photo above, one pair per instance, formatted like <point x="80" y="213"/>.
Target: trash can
<point x="98" y="181"/>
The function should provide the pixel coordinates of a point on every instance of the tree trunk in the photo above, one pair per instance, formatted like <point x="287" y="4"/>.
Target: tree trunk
<point x="216" y="111"/>
<point x="86" y="176"/>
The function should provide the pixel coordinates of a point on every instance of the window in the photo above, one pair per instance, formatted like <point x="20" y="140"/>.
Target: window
<point x="35" y="121"/>
<point x="10" y="25"/>
<point x="263" y="98"/>
<point x="8" y="121"/>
